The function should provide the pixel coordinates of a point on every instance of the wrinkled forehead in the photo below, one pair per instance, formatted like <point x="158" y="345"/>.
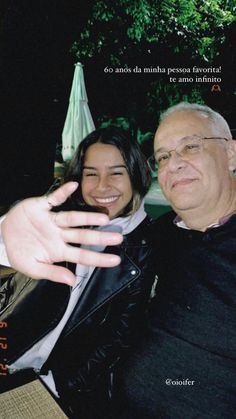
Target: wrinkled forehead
<point x="182" y="124"/>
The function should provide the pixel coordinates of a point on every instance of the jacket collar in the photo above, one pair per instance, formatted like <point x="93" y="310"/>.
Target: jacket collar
<point x="104" y="284"/>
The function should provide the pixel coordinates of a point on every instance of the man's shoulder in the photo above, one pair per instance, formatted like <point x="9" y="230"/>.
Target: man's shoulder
<point x="163" y="221"/>
<point x="162" y="228"/>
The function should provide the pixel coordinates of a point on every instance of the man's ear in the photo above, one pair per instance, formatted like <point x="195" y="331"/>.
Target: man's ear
<point x="231" y="152"/>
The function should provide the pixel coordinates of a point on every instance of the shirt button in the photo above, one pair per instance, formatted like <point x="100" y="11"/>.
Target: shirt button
<point x="133" y="272"/>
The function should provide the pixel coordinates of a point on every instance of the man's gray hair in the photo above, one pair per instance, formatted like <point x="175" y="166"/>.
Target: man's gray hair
<point x="214" y="117"/>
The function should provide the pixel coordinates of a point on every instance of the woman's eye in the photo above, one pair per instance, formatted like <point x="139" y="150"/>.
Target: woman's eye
<point x="116" y="173"/>
<point x="90" y="174"/>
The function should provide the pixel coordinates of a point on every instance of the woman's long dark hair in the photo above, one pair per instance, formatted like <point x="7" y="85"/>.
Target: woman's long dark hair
<point x="135" y="162"/>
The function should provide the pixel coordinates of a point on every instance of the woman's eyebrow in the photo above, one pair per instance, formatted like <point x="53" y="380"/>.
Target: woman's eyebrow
<point x="109" y="167"/>
<point x="89" y="167"/>
<point x="117" y="166"/>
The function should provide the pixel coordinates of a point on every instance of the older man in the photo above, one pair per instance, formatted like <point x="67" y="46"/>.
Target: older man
<point x="185" y="366"/>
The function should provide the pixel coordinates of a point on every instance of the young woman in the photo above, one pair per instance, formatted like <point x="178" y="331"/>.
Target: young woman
<point x="112" y="174"/>
<point x="76" y="336"/>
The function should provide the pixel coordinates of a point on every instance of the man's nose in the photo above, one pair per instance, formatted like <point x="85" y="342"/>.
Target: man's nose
<point x="176" y="161"/>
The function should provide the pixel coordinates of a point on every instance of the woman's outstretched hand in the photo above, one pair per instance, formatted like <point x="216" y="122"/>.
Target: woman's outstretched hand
<point x="35" y="237"/>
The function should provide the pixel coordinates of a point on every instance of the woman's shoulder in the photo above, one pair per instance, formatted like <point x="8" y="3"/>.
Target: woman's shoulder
<point x="140" y="234"/>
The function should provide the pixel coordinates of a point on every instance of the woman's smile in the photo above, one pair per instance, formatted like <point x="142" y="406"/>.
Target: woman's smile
<point x="106" y="201"/>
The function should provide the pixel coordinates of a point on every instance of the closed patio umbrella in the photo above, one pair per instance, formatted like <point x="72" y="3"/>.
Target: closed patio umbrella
<point x="79" y="122"/>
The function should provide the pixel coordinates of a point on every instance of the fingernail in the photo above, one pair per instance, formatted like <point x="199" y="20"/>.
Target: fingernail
<point x="115" y="259"/>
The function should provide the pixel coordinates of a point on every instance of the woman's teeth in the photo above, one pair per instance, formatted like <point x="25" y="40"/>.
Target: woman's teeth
<point x="106" y="200"/>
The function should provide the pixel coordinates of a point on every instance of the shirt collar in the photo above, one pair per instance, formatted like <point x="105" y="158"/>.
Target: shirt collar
<point x="180" y="223"/>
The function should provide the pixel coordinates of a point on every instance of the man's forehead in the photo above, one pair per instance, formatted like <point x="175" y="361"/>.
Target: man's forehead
<point x="181" y="124"/>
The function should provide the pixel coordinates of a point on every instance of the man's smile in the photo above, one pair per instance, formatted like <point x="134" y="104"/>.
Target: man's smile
<point x="180" y="182"/>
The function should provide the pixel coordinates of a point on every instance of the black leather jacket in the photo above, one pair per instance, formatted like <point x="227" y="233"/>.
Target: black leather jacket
<point x="102" y="326"/>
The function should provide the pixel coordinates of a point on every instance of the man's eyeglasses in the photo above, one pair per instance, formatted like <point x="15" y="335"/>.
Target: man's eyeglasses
<point x="187" y="149"/>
